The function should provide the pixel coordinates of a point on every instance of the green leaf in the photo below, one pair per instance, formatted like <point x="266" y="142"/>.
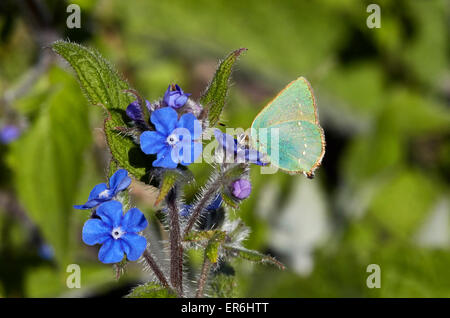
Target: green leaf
<point x="253" y="256"/>
<point x="46" y="161"/>
<point x="229" y="201"/>
<point x="223" y="286"/>
<point x="169" y="179"/>
<point x="214" y="97"/>
<point x="199" y="236"/>
<point x="103" y="86"/>
<point x="151" y="290"/>
<point x="212" y="249"/>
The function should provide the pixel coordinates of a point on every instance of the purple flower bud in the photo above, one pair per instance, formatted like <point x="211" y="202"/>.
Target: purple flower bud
<point x="9" y="133"/>
<point x="175" y="97"/>
<point x="241" y="188"/>
<point x="134" y="111"/>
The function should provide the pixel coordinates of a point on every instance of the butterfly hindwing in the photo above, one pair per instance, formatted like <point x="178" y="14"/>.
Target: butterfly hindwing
<point x="293" y="113"/>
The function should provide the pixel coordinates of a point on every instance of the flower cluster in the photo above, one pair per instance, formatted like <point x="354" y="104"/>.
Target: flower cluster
<point x="170" y="130"/>
<point x="175" y="139"/>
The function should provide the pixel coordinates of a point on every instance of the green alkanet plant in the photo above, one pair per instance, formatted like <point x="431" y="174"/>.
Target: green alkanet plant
<point x="155" y="143"/>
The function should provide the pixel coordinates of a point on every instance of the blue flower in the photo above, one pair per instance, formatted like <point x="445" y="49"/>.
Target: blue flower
<point x="175" y="141"/>
<point x="119" y="181"/>
<point x="175" y="97"/>
<point x="9" y="133"/>
<point x="231" y="146"/>
<point x="117" y="232"/>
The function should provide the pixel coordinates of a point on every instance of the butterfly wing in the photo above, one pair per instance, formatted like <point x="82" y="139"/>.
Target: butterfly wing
<point x="293" y="113"/>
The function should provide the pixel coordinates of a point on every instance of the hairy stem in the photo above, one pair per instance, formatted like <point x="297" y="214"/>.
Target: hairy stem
<point x="203" y="277"/>
<point x="154" y="266"/>
<point x="176" y="249"/>
<point x="200" y="205"/>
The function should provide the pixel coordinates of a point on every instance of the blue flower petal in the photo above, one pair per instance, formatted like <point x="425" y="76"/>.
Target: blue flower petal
<point x="191" y="123"/>
<point x="133" y="245"/>
<point x="226" y="141"/>
<point x="188" y="157"/>
<point x="186" y="210"/>
<point x="119" y="181"/>
<point x="111" y="213"/>
<point x="167" y="96"/>
<point x="164" y="159"/>
<point x="134" y="221"/>
<point x="216" y="203"/>
<point x="180" y="101"/>
<point x="111" y="252"/>
<point x="175" y="98"/>
<point x="152" y="142"/>
<point x="170" y="99"/>
<point x="81" y="207"/>
<point x="134" y="112"/>
<point x="123" y="185"/>
<point x="95" y="193"/>
<point x="89" y="204"/>
<point x="254" y="156"/>
<point x="165" y="120"/>
<point x="95" y="231"/>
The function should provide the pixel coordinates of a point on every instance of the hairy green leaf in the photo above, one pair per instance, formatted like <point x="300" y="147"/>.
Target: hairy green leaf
<point x="252" y="256"/>
<point x="214" y="97"/>
<point x="223" y="286"/>
<point x="199" y="236"/>
<point x="229" y="200"/>
<point x="103" y="86"/>
<point x="212" y="249"/>
<point x="169" y="179"/>
<point x="151" y="290"/>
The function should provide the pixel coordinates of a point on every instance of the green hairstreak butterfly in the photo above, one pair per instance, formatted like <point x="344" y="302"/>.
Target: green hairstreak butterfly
<point x="292" y="117"/>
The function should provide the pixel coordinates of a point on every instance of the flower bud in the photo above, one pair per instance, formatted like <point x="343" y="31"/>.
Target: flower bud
<point x="175" y="97"/>
<point x="241" y="188"/>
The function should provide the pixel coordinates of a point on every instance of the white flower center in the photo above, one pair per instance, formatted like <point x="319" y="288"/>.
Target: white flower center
<point x="117" y="233"/>
<point x="104" y="194"/>
<point x="172" y="139"/>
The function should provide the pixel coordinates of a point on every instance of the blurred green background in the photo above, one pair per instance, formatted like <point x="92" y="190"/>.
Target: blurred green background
<point x="380" y="197"/>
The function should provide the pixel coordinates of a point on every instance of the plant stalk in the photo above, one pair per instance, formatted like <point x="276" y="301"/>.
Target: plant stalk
<point x="201" y="205"/>
<point x="203" y="277"/>
<point x="154" y="266"/>
<point x="176" y="249"/>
